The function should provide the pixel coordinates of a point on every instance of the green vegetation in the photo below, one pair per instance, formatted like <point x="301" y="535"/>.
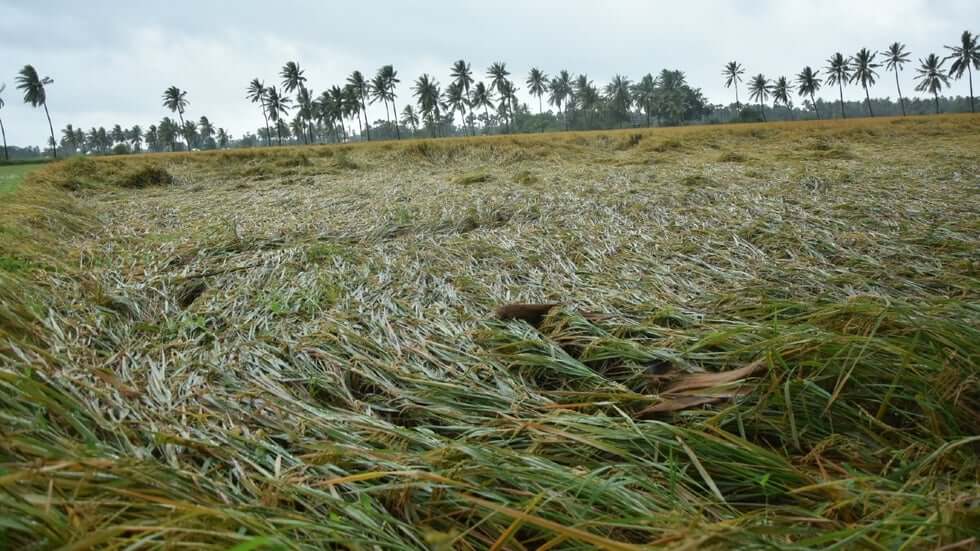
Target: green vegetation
<point x="12" y="174"/>
<point x="264" y="350"/>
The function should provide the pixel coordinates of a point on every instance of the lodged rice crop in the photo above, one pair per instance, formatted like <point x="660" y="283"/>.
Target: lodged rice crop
<point x="295" y="348"/>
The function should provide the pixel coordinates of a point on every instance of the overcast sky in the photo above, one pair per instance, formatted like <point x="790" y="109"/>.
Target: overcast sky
<point x="111" y="61"/>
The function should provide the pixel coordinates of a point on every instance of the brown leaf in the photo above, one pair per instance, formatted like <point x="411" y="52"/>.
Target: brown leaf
<point x="680" y="402"/>
<point x="696" y="381"/>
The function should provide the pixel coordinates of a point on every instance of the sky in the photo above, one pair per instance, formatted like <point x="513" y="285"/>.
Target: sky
<point x="111" y="60"/>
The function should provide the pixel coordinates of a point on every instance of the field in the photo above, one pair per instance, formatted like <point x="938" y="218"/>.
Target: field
<point x="11" y="175"/>
<point x="296" y="348"/>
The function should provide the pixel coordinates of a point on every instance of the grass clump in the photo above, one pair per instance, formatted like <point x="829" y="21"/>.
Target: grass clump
<point x="526" y="178"/>
<point x="473" y="177"/>
<point x="732" y="157"/>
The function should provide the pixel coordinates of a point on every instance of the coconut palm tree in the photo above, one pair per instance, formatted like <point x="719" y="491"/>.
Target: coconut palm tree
<point x="619" y="97"/>
<point x="455" y="98"/>
<point x="426" y="91"/>
<point x="352" y="107"/>
<point x="277" y="106"/>
<point x="932" y="77"/>
<point x="360" y="86"/>
<point x="560" y="93"/>
<point x="206" y="130"/>
<point x="410" y="118"/>
<point x="644" y="94"/>
<point x="152" y="138"/>
<point x="377" y="92"/>
<point x="462" y="77"/>
<point x="839" y="72"/>
<point x="175" y="99"/>
<point x="808" y="84"/>
<point x="966" y="57"/>
<point x="780" y="94"/>
<point x="508" y="102"/>
<point x="135" y="137"/>
<point x="498" y="74"/>
<point x="292" y="77"/>
<point x="256" y="94"/>
<point x="118" y="136"/>
<point x="338" y="108"/>
<point x="391" y="81"/>
<point x="3" y="131"/>
<point x="482" y="97"/>
<point x="68" y="139"/>
<point x="863" y="64"/>
<point x="167" y="133"/>
<point x="537" y="85"/>
<point x="33" y="86"/>
<point x="733" y="72"/>
<point x="223" y="138"/>
<point x="759" y="90"/>
<point x="895" y="56"/>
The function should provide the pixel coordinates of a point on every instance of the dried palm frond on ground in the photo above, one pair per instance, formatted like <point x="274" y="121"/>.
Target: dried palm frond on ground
<point x="297" y="348"/>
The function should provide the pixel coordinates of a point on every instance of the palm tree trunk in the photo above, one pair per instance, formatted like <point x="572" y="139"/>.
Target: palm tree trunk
<point x="394" y="108"/>
<point x="54" y="144"/>
<point x="970" y="71"/>
<point x="486" y="113"/>
<point x="762" y="109"/>
<point x="6" y="155"/>
<point x="937" y="101"/>
<point x="367" y="123"/>
<point x="868" y="96"/>
<point x="738" y="106"/>
<point x="278" y="134"/>
<point x="387" y="115"/>
<point x="813" y="100"/>
<point x="901" y="100"/>
<point x="841" y="86"/>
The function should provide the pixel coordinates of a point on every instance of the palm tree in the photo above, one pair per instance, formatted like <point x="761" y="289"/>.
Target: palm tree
<point x="498" y="74"/>
<point x="966" y="57"/>
<point x="895" y="56"/>
<point x="360" y="86"/>
<point x="33" y="85"/>
<point x="135" y="137"/>
<point x="426" y="90"/>
<point x="256" y="94"/>
<point x="391" y="80"/>
<point x="733" y="72"/>
<point x="839" y="72"/>
<point x="537" y="85"/>
<point x="80" y="139"/>
<point x="118" y="136"/>
<point x="780" y="94"/>
<point x="206" y="131"/>
<point x="352" y="107"/>
<point x="932" y="77"/>
<point x="619" y="97"/>
<point x="508" y="103"/>
<point x="759" y="90"/>
<point x="223" y="138"/>
<point x="152" y="138"/>
<point x="292" y="77"/>
<point x="462" y="78"/>
<point x="175" y="99"/>
<point x="277" y="106"/>
<point x="167" y="133"/>
<point x="863" y="65"/>
<point x="338" y="108"/>
<point x="377" y="92"/>
<point x="6" y="155"/>
<point x="410" y="118"/>
<point x="644" y="93"/>
<point x="482" y="97"/>
<point x="560" y="92"/>
<point x="808" y="84"/>
<point x="456" y="100"/>
<point x="68" y="137"/>
<point x="293" y="80"/>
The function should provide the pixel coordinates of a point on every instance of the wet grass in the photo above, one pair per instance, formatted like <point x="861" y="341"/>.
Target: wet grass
<point x="295" y="348"/>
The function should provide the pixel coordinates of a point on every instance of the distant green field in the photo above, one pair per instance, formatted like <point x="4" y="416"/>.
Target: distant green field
<point x="11" y="176"/>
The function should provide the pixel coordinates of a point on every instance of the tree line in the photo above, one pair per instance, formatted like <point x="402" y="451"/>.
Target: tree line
<point x="469" y="105"/>
<point x="861" y="69"/>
